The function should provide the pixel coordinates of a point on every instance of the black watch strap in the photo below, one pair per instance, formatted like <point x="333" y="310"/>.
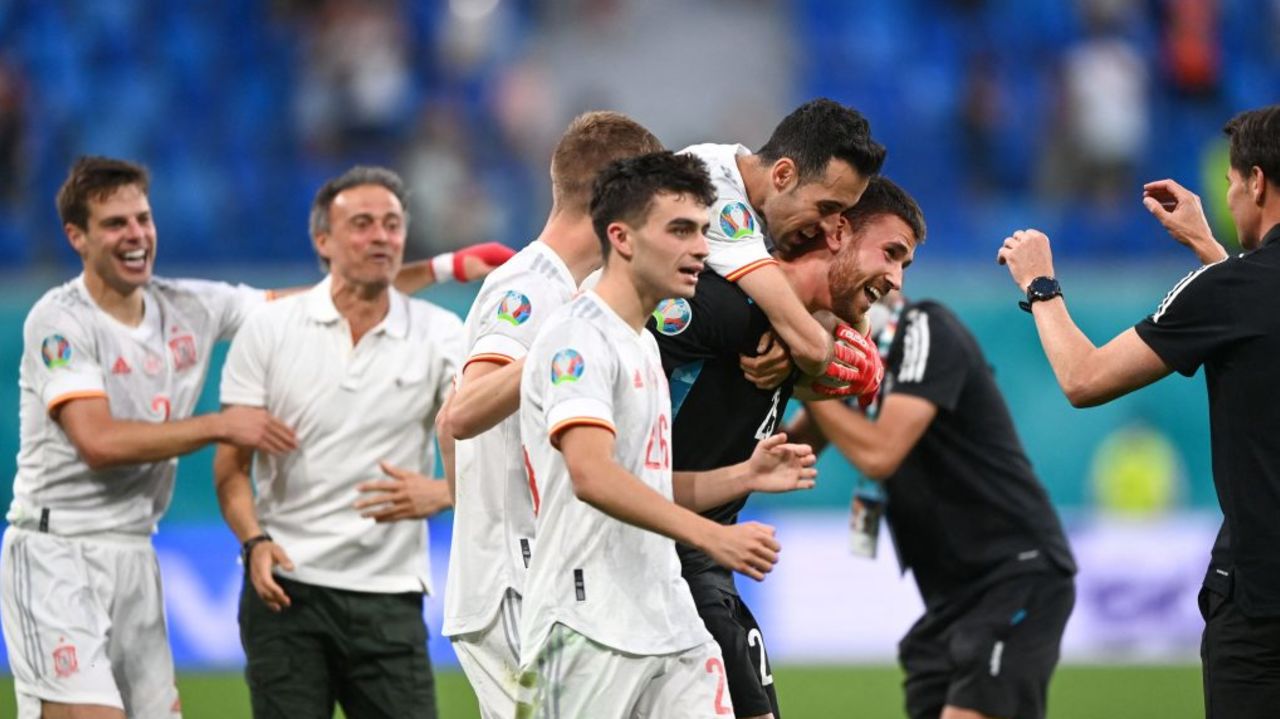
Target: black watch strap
<point x="1041" y="288"/>
<point x="246" y="549"/>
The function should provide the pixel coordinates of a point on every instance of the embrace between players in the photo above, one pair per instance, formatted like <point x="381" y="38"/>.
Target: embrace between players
<point x="599" y="466"/>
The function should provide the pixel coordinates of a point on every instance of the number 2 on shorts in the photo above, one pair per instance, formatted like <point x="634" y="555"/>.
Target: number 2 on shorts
<point x="756" y="639"/>
<point x="715" y="666"/>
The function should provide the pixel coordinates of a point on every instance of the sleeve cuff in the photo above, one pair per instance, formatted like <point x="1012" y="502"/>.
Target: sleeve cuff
<point x="66" y="397"/>
<point x="497" y="344"/>
<point x="731" y="261"/>
<point x="579" y="411"/>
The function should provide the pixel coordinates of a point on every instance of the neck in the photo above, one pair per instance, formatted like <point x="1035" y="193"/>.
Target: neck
<point x="620" y="292"/>
<point x="755" y="178"/>
<point x="362" y="305"/>
<point x="126" y="307"/>
<point x="807" y="274"/>
<point x="573" y="239"/>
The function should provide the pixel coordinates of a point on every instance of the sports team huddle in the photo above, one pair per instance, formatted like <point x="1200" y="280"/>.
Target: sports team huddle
<point x="616" y="393"/>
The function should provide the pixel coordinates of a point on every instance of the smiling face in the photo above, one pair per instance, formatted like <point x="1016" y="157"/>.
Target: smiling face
<point x="869" y="264"/>
<point x="365" y="241"/>
<point x="669" y="248"/>
<point x="118" y="243"/>
<point x="801" y="211"/>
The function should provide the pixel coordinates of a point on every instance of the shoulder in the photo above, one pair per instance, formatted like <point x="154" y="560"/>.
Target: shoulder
<point x="1204" y="279"/>
<point x="61" y="305"/>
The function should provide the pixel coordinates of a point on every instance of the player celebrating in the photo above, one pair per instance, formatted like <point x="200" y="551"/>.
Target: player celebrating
<point x="609" y="628"/>
<point x="493" y="523"/>
<point x="814" y="166"/>
<point x="719" y="414"/>
<point x="1226" y="317"/>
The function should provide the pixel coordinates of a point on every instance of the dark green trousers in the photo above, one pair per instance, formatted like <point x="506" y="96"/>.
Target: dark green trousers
<point x="364" y="651"/>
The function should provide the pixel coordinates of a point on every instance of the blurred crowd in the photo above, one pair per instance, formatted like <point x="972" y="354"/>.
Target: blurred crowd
<point x="998" y="114"/>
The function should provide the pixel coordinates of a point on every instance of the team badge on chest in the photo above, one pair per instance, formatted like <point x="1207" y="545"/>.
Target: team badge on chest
<point x="183" y="349"/>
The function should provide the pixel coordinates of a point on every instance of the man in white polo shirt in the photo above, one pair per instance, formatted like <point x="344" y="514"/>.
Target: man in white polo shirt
<point x="609" y="629"/>
<point x="332" y="604"/>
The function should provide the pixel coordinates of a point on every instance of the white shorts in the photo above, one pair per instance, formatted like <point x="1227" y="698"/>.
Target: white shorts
<point x="84" y="624"/>
<point x="574" y="676"/>
<point x="491" y="660"/>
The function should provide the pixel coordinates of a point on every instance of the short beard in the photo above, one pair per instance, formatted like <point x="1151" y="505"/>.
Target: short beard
<point x="843" y="285"/>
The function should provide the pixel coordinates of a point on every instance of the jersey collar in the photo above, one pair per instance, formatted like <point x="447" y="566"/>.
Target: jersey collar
<point x="1272" y="235"/>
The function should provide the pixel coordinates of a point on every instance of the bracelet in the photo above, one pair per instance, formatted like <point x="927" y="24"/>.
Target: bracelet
<point x="442" y="267"/>
<point x="246" y="549"/>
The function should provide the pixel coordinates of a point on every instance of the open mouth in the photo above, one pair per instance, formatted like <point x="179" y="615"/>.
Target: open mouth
<point x="134" y="259"/>
<point x="691" y="272"/>
<point x="874" y="293"/>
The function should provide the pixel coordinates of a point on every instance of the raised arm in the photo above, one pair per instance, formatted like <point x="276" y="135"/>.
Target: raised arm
<point x="809" y="342"/>
<point x="1088" y="375"/>
<point x="1180" y="212"/>
<point x="465" y="265"/>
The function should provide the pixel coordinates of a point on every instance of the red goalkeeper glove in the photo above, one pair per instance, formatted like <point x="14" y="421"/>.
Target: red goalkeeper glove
<point x="854" y="371"/>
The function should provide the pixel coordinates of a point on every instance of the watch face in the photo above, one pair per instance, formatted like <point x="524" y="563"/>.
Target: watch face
<point x="1043" y="288"/>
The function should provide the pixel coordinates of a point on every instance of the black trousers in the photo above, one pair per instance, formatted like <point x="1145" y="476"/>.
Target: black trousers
<point x="362" y="650"/>
<point x="1240" y="658"/>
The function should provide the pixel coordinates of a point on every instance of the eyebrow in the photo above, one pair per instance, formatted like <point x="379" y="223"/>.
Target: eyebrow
<point x="683" y="223"/>
<point x="900" y="248"/>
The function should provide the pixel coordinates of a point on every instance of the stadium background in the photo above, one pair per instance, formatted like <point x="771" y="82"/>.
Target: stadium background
<point x="998" y="114"/>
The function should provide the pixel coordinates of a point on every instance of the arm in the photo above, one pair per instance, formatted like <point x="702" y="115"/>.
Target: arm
<point x="1182" y="215"/>
<point x="1088" y="375"/>
<point x="489" y="393"/>
<point x="772" y="467"/>
<point x="465" y="265"/>
<point x="809" y="342"/>
<point x="235" y="499"/>
<point x="876" y="448"/>
<point x="601" y="482"/>
<point x="103" y="441"/>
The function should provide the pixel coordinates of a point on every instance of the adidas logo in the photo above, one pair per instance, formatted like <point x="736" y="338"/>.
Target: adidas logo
<point x="121" y="367"/>
<point x="639" y="383"/>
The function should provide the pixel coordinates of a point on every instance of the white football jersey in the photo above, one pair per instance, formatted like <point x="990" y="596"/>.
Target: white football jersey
<point x="615" y="583"/>
<point x="736" y="238"/>
<point x="493" y="526"/>
<point x="149" y="373"/>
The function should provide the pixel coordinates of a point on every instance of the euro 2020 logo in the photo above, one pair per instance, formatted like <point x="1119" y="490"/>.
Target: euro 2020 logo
<point x="736" y="221"/>
<point x="55" y="351"/>
<point x="673" y="316"/>
<point x="514" y="308"/>
<point x="566" y="366"/>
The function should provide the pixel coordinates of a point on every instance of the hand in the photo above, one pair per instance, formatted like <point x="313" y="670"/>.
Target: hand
<point x="778" y="467"/>
<point x="475" y="262"/>
<point x="1182" y="215"/>
<point x="856" y="369"/>
<point x="1026" y="253"/>
<point x="407" y="495"/>
<point x="770" y="366"/>
<point x="254" y="427"/>
<point x="748" y="548"/>
<point x="263" y="557"/>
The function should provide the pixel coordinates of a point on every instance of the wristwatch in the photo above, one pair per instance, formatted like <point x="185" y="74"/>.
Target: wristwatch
<point x="246" y="549"/>
<point x="1041" y="288"/>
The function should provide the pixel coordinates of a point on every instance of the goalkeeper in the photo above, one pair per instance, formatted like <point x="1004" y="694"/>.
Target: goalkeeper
<point x="720" y="414"/>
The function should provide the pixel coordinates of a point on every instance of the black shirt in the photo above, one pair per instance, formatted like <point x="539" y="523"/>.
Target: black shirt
<point x="965" y="506"/>
<point x="1226" y="317"/>
<point x="718" y="415"/>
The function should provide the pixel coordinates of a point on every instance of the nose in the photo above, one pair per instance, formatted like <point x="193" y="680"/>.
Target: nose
<point x="895" y="276"/>
<point x="700" y="249"/>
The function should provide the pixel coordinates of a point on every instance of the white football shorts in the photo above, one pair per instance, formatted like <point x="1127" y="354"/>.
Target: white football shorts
<point x="491" y="660"/>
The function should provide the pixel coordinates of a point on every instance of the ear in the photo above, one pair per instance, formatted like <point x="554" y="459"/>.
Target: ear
<point x="321" y="242"/>
<point x="842" y="237"/>
<point x="1258" y="189"/>
<point x="621" y="242"/>
<point x="75" y="237"/>
<point x="784" y="175"/>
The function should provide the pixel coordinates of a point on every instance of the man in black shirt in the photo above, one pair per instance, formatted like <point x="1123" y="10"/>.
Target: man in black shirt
<point x="966" y="514"/>
<point x="1226" y="317"/>
<point x="720" y="415"/>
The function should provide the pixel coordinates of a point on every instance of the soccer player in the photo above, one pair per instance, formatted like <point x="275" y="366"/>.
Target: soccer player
<point x="608" y="627"/>
<point x="814" y="166"/>
<point x="112" y="365"/>
<point x="720" y="414"/>
<point x="493" y="523"/>
<point x="1225" y="317"/>
<point x="967" y="514"/>
<point x="331" y="608"/>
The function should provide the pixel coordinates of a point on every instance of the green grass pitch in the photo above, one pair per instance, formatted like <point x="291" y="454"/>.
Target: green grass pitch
<point x="1078" y="692"/>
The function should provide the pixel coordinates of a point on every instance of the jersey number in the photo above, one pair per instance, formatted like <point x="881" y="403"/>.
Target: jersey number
<point x="658" y="454"/>
<point x="160" y="405"/>
<point x="715" y="666"/>
<point x="770" y="420"/>
<point x="756" y="639"/>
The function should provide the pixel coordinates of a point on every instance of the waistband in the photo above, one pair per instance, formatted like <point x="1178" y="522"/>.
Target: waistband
<point x="44" y="525"/>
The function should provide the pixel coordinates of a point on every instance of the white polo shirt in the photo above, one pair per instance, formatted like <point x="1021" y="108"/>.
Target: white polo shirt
<point x="493" y="527"/>
<point x="150" y="373"/>
<point x="608" y="580"/>
<point x="351" y="406"/>
<point x="736" y="238"/>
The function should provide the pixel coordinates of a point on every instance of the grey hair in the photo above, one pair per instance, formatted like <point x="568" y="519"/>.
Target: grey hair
<point x="355" y="177"/>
